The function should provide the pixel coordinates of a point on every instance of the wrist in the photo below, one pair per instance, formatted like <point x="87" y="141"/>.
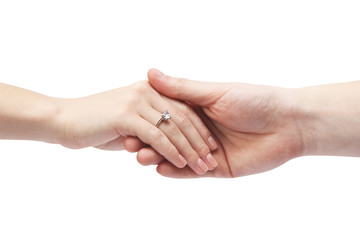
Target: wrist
<point x="308" y="119"/>
<point x="60" y="122"/>
<point x="45" y="120"/>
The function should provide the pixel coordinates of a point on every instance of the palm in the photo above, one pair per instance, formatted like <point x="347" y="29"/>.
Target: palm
<point x="253" y="133"/>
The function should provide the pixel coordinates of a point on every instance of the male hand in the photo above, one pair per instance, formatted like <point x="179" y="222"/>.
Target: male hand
<point x="255" y="126"/>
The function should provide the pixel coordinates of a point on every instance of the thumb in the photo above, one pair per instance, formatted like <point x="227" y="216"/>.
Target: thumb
<point x="198" y="93"/>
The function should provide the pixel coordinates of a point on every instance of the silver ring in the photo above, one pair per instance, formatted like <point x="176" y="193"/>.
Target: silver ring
<point x="164" y="117"/>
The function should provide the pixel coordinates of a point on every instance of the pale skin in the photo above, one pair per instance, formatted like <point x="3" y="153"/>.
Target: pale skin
<point x="258" y="127"/>
<point x="105" y="119"/>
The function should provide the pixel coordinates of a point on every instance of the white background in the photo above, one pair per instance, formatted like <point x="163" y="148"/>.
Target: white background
<point x="75" y="48"/>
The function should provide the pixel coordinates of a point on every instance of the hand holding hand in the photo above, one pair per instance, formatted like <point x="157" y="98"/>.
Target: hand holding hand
<point x="255" y="126"/>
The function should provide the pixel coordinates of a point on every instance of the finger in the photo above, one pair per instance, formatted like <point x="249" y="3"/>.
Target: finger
<point x="190" y="133"/>
<point x="201" y="128"/>
<point x="148" y="156"/>
<point x="154" y="137"/>
<point x="176" y="137"/>
<point x="168" y="170"/>
<point x="199" y="93"/>
<point x="133" y="144"/>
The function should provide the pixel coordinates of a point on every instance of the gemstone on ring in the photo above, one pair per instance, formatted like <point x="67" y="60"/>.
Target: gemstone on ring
<point x="166" y="115"/>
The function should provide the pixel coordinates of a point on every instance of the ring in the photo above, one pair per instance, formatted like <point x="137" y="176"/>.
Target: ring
<point x="164" y="117"/>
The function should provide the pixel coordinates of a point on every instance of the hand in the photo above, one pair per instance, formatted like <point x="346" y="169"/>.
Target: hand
<point x="105" y="119"/>
<point x="255" y="126"/>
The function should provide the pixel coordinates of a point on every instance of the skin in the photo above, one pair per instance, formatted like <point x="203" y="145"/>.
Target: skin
<point x="105" y="119"/>
<point x="259" y="128"/>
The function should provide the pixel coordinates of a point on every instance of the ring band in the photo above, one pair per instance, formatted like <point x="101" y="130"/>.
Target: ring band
<point x="164" y="117"/>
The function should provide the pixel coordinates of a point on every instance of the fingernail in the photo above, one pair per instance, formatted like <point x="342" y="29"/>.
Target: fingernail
<point x="211" y="161"/>
<point x="203" y="167"/>
<point x="213" y="144"/>
<point x="182" y="161"/>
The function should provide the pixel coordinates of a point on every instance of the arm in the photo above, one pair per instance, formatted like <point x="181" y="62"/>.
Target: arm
<point x="259" y="128"/>
<point x="27" y="115"/>
<point x="330" y="119"/>
<point x="103" y="120"/>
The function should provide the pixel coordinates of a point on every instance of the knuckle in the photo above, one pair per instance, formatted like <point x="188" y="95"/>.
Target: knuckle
<point x="192" y="158"/>
<point x="155" y="133"/>
<point x="132" y="98"/>
<point x="190" y="155"/>
<point x="185" y="108"/>
<point x="183" y="120"/>
<point x="140" y="87"/>
<point x="172" y="151"/>
<point x="132" y="101"/>
<point x="203" y="149"/>
<point x="172" y="128"/>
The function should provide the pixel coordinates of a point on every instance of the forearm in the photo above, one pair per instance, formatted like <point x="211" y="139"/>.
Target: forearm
<point x="330" y="119"/>
<point x="26" y="115"/>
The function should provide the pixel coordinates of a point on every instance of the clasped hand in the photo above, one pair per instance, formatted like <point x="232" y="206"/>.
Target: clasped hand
<point x="216" y="129"/>
<point x="254" y="126"/>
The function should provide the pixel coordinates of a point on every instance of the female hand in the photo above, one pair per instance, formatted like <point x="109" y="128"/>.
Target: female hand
<point x="104" y="120"/>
